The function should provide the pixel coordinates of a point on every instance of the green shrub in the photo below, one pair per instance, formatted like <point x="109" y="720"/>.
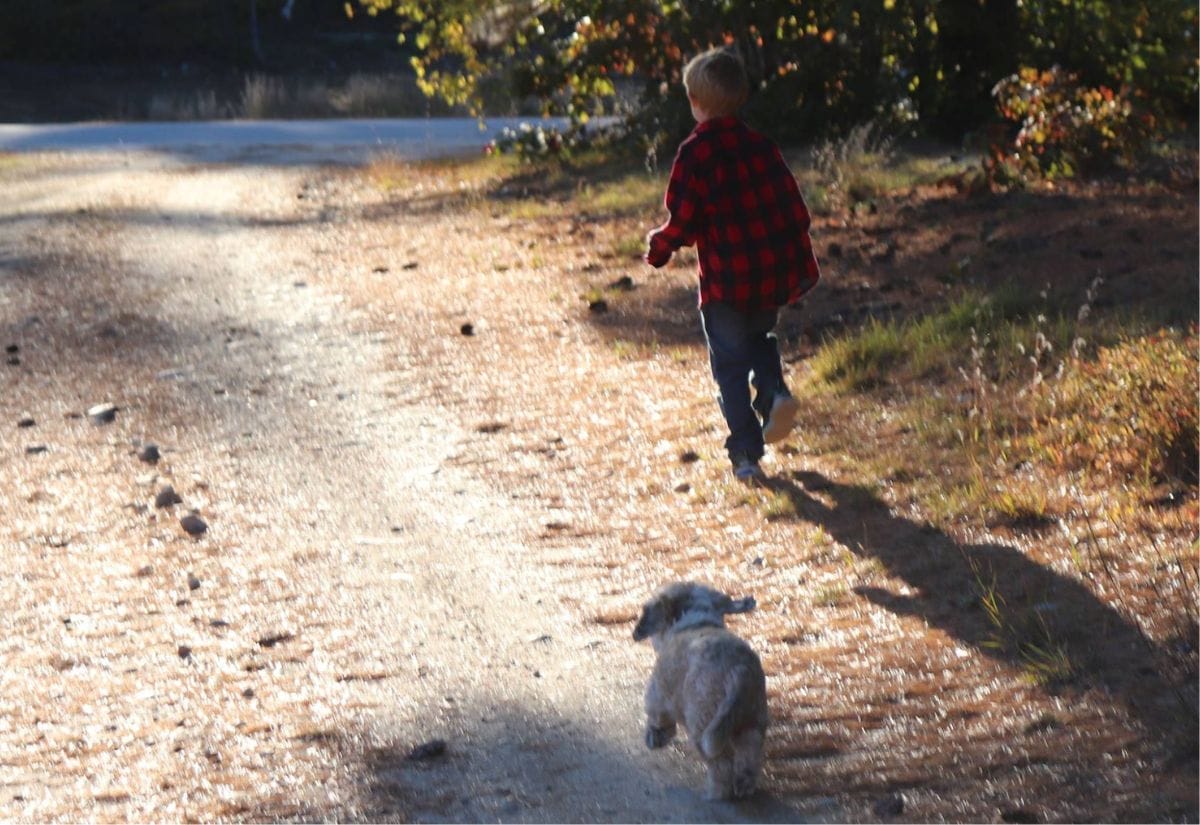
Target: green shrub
<point x="1064" y="128"/>
<point x="895" y="351"/>
<point x="1132" y="412"/>
<point x="862" y="360"/>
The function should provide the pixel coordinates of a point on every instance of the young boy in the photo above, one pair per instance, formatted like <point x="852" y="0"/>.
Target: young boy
<point x="733" y="196"/>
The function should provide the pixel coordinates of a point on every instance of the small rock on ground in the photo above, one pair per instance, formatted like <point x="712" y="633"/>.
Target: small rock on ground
<point x="428" y="750"/>
<point x="889" y="806"/>
<point x="193" y="525"/>
<point x="149" y="453"/>
<point x="102" y="413"/>
<point x="166" y="497"/>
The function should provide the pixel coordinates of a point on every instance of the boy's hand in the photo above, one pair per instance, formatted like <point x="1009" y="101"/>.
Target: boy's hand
<point x="657" y="252"/>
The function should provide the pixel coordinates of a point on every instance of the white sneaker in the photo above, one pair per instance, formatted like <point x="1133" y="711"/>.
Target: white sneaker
<point x="781" y="419"/>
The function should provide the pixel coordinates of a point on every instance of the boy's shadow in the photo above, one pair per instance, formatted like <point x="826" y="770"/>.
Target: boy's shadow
<point x="1041" y="609"/>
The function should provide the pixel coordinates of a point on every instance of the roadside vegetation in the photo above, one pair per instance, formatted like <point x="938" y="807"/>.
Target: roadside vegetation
<point x="1002" y="377"/>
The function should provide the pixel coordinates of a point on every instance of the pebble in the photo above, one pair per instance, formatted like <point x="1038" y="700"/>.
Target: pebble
<point x="689" y="457"/>
<point x="598" y="306"/>
<point x="102" y="413"/>
<point x="184" y="652"/>
<point x="193" y="582"/>
<point x="193" y="525"/>
<point x="892" y="805"/>
<point x="624" y="283"/>
<point x="145" y="571"/>
<point x="149" y="453"/>
<point x="26" y="422"/>
<point x="467" y="329"/>
<point x="272" y="639"/>
<point x="683" y="487"/>
<point x="166" y="497"/>
<point x="34" y="449"/>
<point x="428" y="750"/>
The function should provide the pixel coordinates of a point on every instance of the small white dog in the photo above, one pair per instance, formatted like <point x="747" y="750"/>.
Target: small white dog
<point x="708" y="679"/>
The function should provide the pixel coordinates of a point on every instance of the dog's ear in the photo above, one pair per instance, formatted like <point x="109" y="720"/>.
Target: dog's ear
<point x="744" y="605"/>
<point x="656" y="617"/>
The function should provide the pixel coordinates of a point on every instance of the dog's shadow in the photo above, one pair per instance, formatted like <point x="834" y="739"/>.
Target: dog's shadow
<point x="762" y="806"/>
<point x="1102" y="647"/>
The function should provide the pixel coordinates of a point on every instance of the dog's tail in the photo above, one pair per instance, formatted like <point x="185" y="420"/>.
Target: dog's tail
<point x="715" y="738"/>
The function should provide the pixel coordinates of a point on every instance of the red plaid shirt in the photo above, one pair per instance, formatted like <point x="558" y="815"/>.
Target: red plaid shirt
<point x="732" y="194"/>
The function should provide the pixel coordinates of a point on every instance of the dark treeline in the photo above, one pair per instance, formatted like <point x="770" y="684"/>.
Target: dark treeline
<point x="225" y="33"/>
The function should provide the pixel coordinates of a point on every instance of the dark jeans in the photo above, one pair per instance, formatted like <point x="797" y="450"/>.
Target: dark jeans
<point x="743" y="350"/>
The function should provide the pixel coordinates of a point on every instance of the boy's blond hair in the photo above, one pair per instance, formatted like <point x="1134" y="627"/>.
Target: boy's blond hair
<point x="716" y="80"/>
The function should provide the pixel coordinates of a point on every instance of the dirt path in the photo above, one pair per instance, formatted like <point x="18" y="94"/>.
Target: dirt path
<point x="418" y="534"/>
<point x="357" y="593"/>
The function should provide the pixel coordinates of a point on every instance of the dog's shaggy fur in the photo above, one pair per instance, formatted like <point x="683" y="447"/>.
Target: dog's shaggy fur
<point x="708" y="679"/>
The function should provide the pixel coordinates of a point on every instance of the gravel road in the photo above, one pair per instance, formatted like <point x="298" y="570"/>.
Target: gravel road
<point x="357" y="593"/>
<point x="274" y="142"/>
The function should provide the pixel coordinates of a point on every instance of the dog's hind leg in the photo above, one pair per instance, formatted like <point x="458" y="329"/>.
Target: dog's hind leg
<point x="715" y="738"/>
<point x="720" y="779"/>
<point x="747" y="761"/>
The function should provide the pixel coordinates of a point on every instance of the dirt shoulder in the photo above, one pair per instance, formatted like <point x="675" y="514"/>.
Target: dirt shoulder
<point x="416" y="533"/>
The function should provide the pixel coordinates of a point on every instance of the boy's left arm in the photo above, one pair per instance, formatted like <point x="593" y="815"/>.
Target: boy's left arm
<point x="800" y="214"/>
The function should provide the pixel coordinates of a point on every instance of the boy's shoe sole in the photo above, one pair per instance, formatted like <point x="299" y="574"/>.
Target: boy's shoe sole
<point x="781" y="419"/>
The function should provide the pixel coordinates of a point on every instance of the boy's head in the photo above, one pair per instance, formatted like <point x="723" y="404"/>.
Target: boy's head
<point x="716" y="83"/>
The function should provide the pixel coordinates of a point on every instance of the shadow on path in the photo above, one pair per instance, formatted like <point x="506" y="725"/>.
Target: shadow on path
<point x="502" y="762"/>
<point x="1044" y="608"/>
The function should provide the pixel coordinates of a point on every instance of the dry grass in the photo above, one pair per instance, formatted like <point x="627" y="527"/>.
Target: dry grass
<point x="359" y="95"/>
<point x="262" y="96"/>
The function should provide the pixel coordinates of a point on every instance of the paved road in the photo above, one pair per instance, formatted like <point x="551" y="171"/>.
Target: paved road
<point x="272" y="142"/>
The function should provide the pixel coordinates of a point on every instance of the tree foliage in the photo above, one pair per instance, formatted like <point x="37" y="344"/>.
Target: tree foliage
<point x="817" y="66"/>
<point x="1064" y="128"/>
